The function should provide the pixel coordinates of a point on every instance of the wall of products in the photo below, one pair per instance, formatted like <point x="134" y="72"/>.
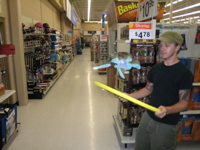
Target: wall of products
<point x="47" y="54"/>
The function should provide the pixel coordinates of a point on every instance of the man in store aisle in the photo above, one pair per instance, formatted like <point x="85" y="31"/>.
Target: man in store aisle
<point x="169" y="84"/>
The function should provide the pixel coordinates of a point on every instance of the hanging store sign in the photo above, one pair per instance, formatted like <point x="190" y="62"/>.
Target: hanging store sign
<point x="147" y="9"/>
<point x="141" y="30"/>
<point x="126" y="11"/>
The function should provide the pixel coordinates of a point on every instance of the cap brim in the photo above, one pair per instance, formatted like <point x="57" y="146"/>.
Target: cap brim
<point x="166" y="40"/>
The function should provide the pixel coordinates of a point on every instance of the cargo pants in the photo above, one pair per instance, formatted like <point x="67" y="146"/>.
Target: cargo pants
<point x="153" y="135"/>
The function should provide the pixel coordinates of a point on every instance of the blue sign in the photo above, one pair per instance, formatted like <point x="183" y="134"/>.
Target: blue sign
<point x="73" y="17"/>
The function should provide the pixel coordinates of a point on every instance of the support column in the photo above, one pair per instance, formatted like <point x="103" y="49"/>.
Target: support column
<point x="17" y="39"/>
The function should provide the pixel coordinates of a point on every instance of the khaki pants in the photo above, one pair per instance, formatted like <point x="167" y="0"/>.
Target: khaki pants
<point x="152" y="135"/>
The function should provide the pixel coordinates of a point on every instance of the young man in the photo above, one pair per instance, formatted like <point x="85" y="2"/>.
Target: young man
<point x="169" y="84"/>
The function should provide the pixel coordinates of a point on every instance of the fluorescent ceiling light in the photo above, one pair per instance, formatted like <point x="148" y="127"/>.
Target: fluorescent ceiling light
<point x="89" y="6"/>
<point x="192" y="13"/>
<point x="95" y="21"/>
<point x="185" y="8"/>
<point x="175" y="2"/>
<point x="92" y="21"/>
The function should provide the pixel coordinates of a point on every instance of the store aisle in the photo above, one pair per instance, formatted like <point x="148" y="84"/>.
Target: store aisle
<point x="75" y="114"/>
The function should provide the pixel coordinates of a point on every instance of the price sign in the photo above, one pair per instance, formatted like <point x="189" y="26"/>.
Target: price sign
<point x="141" y="30"/>
<point x="140" y="34"/>
<point x="147" y="9"/>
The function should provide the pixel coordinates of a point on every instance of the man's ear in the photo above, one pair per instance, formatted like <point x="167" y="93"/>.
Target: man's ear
<point x="178" y="48"/>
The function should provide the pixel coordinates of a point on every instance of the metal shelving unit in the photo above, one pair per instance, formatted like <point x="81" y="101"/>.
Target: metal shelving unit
<point x="124" y="139"/>
<point x="6" y="95"/>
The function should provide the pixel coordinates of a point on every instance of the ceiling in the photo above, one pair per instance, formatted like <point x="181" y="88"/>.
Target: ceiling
<point x="99" y="7"/>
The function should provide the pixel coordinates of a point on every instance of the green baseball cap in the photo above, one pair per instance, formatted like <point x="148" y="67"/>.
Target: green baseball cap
<point x="171" y="37"/>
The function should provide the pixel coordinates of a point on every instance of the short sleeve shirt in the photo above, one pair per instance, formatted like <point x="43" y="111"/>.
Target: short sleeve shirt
<point x="167" y="81"/>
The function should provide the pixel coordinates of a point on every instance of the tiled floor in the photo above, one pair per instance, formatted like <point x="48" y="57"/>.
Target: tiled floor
<point x="75" y="115"/>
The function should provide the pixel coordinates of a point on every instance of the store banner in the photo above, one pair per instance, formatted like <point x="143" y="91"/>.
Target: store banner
<point x="128" y="11"/>
<point x="73" y="17"/>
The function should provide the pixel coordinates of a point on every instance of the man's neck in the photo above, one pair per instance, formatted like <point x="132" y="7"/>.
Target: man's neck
<point x="170" y="62"/>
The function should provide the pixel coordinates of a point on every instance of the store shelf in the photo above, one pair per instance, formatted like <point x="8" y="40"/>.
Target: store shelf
<point x="196" y="84"/>
<point x="124" y="139"/>
<point x="32" y="95"/>
<point x="190" y="112"/>
<point x="2" y="56"/>
<point x="7" y="94"/>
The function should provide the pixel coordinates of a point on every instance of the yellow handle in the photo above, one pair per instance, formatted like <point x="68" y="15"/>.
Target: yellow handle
<point x="138" y="102"/>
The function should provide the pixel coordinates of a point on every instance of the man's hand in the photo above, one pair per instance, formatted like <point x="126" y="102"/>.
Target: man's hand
<point x="162" y="113"/>
<point x="123" y="99"/>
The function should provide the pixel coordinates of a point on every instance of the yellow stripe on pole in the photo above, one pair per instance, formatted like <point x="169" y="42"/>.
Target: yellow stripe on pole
<point x="129" y="98"/>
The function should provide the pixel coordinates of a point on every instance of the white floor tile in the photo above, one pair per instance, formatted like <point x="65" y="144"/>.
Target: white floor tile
<point x="74" y="115"/>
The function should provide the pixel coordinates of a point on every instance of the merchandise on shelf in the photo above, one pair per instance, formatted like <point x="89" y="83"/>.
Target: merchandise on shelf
<point x="189" y="129"/>
<point x="46" y="57"/>
<point x="129" y="114"/>
<point x="101" y="52"/>
<point x="8" y="122"/>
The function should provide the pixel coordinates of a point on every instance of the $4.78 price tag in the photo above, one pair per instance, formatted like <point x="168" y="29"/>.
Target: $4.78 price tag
<point x="140" y="30"/>
<point x="141" y="34"/>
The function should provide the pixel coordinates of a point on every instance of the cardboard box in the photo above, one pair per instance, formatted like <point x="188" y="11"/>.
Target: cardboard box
<point x="2" y="89"/>
<point x="197" y="131"/>
<point x="111" y="75"/>
<point x="194" y="102"/>
<point x="92" y="55"/>
<point x="187" y="130"/>
<point x="197" y="71"/>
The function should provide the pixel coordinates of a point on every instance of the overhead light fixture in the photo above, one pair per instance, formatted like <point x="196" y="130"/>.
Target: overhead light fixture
<point x="175" y="2"/>
<point x="185" y="8"/>
<point x="191" y="13"/>
<point x="89" y="6"/>
<point x="92" y="21"/>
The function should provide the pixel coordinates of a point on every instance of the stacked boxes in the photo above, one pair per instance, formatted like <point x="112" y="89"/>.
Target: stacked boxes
<point x="194" y="103"/>
<point x="111" y="75"/>
<point x="194" y="65"/>
<point x="189" y="129"/>
<point x="197" y="71"/>
<point x="189" y="126"/>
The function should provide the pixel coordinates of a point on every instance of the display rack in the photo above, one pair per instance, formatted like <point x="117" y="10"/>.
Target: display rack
<point x="46" y="58"/>
<point x="122" y="119"/>
<point x="128" y="114"/>
<point x="5" y="144"/>
<point x="124" y="139"/>
<point x="102" y="53"/>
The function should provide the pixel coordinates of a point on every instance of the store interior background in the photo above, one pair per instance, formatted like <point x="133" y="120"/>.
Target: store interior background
<point x="53" y="12"/>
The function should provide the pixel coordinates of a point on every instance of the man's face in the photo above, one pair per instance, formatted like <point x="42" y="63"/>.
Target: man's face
<point x="168" y="51"/>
